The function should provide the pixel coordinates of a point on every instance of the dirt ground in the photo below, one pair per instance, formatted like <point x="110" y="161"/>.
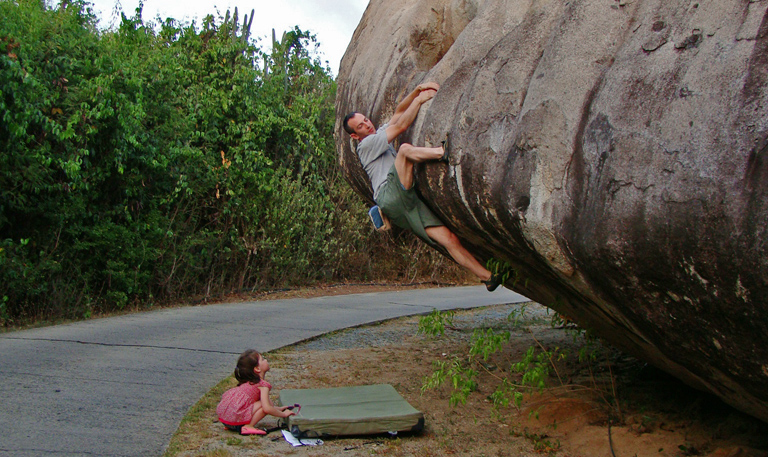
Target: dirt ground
<point x="576" y="416"/>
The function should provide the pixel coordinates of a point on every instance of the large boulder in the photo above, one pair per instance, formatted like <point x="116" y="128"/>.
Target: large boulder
<point x="612" y="151"/>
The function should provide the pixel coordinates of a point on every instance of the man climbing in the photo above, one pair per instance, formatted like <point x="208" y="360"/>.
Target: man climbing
<point x="393" y="183"/>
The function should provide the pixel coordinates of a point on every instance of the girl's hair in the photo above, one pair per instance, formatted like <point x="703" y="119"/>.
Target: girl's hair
<point x="247" y="361"/>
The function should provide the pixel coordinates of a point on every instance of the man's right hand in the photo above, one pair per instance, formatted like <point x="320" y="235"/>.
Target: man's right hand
<point x="426" y="95"/>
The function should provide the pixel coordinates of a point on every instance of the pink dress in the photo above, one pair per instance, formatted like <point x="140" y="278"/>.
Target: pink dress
<point x="236" y="405"/>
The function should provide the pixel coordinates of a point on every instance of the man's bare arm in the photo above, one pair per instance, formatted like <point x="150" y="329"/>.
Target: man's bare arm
<point x="407" y="101"/>
<point x="408" y="109"/>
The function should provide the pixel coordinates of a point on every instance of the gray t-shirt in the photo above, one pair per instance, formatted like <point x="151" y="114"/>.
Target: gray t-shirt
<point x="377" y="157"/>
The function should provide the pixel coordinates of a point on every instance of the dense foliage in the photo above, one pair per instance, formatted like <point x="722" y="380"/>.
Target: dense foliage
<point x="158" y="162"/>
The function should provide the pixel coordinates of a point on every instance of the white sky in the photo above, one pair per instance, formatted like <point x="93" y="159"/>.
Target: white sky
<point x="332" y="21"/>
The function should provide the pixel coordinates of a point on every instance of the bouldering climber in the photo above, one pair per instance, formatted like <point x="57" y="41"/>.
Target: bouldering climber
<point x="393" y="181"/>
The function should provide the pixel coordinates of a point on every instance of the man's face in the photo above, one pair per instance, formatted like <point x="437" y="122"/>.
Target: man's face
<point x="362" y="126"/>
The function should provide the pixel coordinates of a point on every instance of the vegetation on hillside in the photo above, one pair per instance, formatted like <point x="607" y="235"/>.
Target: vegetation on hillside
<point x="158" y="162"/>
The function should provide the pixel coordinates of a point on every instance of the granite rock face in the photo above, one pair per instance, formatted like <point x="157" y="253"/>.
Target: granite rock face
<point x="615" y="152"/>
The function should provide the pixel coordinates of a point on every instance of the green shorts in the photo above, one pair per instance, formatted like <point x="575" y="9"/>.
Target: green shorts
<point x="404" y="208"/>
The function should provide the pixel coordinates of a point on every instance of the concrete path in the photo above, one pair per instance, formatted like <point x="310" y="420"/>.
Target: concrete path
<point x="119" y="386"/>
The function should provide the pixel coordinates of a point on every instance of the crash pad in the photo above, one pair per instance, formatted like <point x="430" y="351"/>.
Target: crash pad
<point x="356" y="410"/>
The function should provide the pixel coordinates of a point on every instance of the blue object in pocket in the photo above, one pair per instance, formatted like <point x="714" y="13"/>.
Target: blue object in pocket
<point x="379" y="223"/>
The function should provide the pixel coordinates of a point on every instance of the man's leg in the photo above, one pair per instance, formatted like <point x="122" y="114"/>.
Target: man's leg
<point x="407" y="155"/>
<point x="446" y="238"/>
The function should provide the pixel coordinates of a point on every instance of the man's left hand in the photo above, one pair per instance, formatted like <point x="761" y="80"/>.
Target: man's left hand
<point x="428" y="86"/>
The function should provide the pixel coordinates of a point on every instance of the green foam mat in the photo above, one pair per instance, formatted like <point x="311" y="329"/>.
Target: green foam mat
<point x="358" y="410"/>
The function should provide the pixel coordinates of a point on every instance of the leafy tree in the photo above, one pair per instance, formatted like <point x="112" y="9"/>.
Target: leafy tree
<point x="168" y="161"/>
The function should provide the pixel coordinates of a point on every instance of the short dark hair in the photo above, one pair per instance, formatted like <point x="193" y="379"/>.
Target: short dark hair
<point x="347" y="128"/>
<point x="246" y="363"/>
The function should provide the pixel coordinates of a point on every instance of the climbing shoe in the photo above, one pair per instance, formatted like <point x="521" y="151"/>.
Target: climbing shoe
<point x="493" y="283"/>
<point x="446" y="148"/>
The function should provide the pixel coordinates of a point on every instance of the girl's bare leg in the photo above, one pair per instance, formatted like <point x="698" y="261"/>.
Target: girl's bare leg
<point x="258" y="414"/>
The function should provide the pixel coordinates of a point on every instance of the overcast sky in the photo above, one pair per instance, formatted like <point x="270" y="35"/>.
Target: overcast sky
<point x="332" y="21"/>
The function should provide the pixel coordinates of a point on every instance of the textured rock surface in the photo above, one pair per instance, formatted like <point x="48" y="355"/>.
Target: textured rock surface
<point x="613" y="151"/>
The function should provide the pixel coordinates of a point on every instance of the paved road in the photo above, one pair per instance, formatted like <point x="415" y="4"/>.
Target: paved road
<point x="119" y="386"/>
